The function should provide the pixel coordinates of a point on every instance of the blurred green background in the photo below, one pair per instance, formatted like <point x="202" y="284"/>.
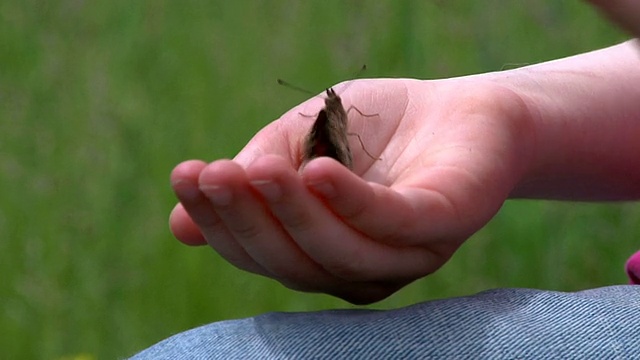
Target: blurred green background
<point x="100" y="99"/>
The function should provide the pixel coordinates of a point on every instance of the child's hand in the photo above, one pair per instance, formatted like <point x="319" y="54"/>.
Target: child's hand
<point x="451" y="151"/>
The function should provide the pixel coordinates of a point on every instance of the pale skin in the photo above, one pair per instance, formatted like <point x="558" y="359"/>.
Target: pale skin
<point x="452" y="152"/>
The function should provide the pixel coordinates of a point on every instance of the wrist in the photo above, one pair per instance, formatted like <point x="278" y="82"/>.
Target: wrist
<point x="585" y="113"/>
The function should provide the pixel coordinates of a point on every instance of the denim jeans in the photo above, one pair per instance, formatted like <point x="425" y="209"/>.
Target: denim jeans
<point x="601" y="323"/>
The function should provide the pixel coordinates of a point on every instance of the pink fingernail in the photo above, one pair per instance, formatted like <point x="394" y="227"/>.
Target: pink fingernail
<point x="325" y="188"/>
<point x="218" y="195"/>
<point x="186" y="190"/>
<point x="269" y="189"/>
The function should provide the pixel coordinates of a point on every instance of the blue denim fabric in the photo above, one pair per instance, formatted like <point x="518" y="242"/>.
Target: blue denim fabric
<point x="601" y="323"/>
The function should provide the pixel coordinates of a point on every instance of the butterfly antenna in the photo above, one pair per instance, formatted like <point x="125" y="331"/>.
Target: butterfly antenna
<point x="294" y="87"/>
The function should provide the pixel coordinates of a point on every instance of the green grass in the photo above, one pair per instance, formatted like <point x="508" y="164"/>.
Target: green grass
<point x="99" y="100"/>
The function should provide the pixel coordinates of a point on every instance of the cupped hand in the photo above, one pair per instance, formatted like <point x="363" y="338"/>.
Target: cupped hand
<point x="449" y="151"/>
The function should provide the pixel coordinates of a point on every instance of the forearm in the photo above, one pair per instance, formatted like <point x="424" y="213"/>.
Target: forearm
<point x="585" y="125"/>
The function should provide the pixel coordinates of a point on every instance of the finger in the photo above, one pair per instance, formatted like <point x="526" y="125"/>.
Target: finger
<point x="184" y="229"/>
<point x="184" y="180"/>
<point x="252" y="226"/>
<point x="180" y="223"/>
<point x="397" y="217"/>
<point x="340" y="250"/>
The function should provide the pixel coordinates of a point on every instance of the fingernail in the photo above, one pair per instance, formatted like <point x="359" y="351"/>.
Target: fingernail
<point x="218" y="195"/>
<point x="325" y="188"/>
<point x="186" y="190"/>
<point x="269" y="189"/>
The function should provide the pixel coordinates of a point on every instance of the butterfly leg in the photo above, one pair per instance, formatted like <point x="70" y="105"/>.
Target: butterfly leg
<point x="363" y="148"/>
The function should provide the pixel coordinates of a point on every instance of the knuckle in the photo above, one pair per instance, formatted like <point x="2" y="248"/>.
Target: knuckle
<point x="354" y="211"/>
<point x="245" y="230"/>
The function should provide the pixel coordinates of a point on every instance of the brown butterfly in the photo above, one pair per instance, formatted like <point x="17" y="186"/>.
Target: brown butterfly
<point x="328" y="136"/>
